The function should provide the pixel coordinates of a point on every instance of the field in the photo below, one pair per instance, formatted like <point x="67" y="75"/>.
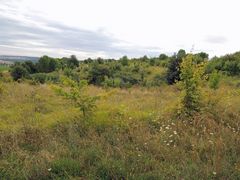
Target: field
<point x="135" y="133"/>
<point x="3" y="68"/>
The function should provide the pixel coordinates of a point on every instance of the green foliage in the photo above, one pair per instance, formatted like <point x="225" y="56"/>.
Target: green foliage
<point x="4" y="68"/>
<point x="214" y="80"/>
<point x="228" y="64"/>
<point x="173" y="72"/>
<point x="72" y="62"/>
<point x="19" y="72"/>
<point x="77" y="94"/>
<point x="45" y="77"/>
<point x="98" y="73"/>
<point x="30" y="67"/>
<point x="39" y="77"/>
<point x="163" y="56"/>
<point x="124" y="60"/>
<point x="47" y="64"/>
<point x="191" y="76"/>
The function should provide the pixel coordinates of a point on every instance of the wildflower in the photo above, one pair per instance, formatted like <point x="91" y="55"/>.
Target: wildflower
<point x="214" y="173"/>
<point x="211" y="133"/>
<point x="171" y="135"/>
<point x="49" y="169"/>
<point x="167" y="144"/>
<point x="171" y="141"/>
<point x="175" y="132"/>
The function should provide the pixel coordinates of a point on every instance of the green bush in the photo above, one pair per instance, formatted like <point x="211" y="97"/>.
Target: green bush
<point x="18" y="72"/>
<point x="191" y="75"/>
<point x="39" y="77"/>
<point x="214" y="80"/>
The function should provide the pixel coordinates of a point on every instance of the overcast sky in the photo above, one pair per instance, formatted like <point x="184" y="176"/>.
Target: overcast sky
<point x="113" y="28"/>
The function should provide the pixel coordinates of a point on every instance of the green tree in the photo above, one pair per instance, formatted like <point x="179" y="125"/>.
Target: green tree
<point x="77" y="93"/>
<point x="191" y="77"/>
<point x="214" y="80"/>
<point x="98" y="73"/>
<point x="72" y="62"/>
<point x="124" y="60"/>
<point x="163" y="56"/>
<point x="47" y="64"/>
<point x="43" y="64"/>
<point x="30" y="67"/>
<point x="173" y="72"/>
<point x="18" y="72"/>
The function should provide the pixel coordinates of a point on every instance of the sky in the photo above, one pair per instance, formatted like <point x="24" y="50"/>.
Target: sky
<point x="114" y="28"/>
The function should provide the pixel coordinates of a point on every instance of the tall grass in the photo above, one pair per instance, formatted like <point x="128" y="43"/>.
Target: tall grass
<point x="134" y="134"/>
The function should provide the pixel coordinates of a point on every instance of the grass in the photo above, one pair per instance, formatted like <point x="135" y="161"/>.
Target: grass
<point x="4" y="68"/>
<point x="134" y="134"/>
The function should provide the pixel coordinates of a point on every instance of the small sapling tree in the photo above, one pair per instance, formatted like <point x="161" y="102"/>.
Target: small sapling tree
<point x="76" y="92"/>
<point x="191" y="77"/>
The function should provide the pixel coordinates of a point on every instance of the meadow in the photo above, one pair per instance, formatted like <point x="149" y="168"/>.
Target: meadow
<point x="134" y="134"/>
<point x="135" y="128"/>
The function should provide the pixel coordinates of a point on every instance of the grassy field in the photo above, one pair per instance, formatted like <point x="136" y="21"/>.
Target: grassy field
<point x="134" y="134"/>
<point x="3" y="68"/>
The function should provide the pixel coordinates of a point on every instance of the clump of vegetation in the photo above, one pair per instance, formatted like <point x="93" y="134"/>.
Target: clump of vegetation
<point x="191" y="76"/>
<point x="214" y="80"/>
<point x="77" y="94"/>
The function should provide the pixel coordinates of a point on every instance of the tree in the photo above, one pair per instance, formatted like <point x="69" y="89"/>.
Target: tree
<point x="18" y="72"/>
<point x="30" y="67"/>
<point x="73" y="62"/>
<point x="214" y="80"/>
<point x="181" y="54"/>
<point x="43" y="64"/>
<point x="77" y="94"/>
<point x="173" y="72"/>
<point x="191" y="76"/>
<point x="47" y="64"/>
<point x="124" y="60"/>
<point x="163" y="56"/>
<point x="97" y="73"/>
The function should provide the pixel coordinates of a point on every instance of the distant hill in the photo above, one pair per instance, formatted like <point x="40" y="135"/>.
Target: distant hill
<point x="18" y="58"/>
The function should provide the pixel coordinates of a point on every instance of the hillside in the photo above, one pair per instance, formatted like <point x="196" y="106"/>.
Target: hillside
<point x="127" y="124"/>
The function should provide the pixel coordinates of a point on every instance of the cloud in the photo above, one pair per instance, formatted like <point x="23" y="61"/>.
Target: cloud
<point x="36" y="35"/>
<point x="214" y="39"/>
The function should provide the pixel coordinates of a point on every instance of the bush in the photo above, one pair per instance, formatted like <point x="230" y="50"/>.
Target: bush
<point x="53" y="77"/>
<point x="214" y="80"/>
<point x="191" y="74"/>
<point x="39" y="77"/>
<point x="18" y="72"/>
<point x="77" y="94"/>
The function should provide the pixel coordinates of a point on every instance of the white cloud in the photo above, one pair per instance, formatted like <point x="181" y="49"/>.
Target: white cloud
<point x="136" y="27"/>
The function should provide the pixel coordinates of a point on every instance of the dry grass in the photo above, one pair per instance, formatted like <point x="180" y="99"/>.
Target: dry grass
<point x="134" y="134"/>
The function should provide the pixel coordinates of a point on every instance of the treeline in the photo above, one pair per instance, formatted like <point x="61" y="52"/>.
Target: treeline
<point x="124" y="72"/>
<point x="228" y="64"/>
